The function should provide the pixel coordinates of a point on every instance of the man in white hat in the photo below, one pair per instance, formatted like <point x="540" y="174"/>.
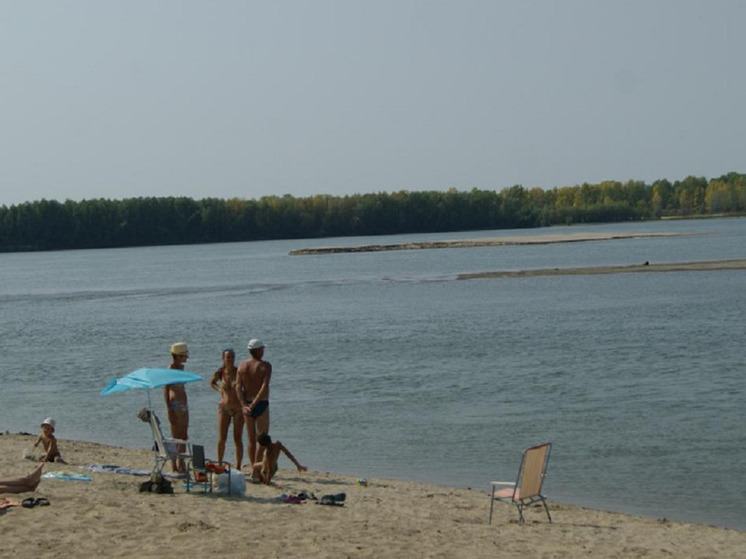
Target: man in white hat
<point x="252" y="387"/>
<point x="177" y="405"/>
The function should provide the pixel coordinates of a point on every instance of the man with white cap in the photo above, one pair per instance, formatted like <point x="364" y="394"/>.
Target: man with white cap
<point x="252" y="388"/>
<point x="176" y="404"/>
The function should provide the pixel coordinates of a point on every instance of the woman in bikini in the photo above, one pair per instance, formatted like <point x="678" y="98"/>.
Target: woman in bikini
<point x="229" y="408"/>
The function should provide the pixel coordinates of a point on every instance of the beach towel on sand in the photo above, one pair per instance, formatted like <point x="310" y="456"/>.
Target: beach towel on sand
<point x="67" y="476"/>
<point x="117" y="470"/>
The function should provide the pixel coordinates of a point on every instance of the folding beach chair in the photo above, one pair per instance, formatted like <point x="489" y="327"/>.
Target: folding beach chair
<point x="527" y="487"/>
<point x="197" y="470"/>
<point x="203" y="470"/>
<point x="166" y="448"/>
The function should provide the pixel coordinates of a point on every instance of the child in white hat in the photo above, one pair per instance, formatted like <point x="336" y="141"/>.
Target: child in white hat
<point x="49" y="442"/>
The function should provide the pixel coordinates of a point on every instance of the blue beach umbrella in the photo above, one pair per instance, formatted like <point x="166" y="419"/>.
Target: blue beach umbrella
<point x="148" y="378"/>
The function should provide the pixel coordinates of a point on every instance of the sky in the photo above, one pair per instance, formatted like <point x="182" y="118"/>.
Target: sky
<point x="243" y="99"/>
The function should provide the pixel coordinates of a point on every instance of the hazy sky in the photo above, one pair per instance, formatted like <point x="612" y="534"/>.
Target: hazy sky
<point x="228" y="98"/>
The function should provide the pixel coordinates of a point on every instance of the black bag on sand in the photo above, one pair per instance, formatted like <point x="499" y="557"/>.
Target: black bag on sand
<point x="158" y="484"/>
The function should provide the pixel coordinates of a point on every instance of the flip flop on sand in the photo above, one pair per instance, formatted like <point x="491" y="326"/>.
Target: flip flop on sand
<point x="28" y="503"/>
<point x="291" y="499"/>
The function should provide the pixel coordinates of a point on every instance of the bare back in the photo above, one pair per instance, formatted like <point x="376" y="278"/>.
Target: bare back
<point x="253" y="380"/>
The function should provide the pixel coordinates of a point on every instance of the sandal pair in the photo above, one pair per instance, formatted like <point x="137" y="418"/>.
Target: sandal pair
<point x="31" y="502"/>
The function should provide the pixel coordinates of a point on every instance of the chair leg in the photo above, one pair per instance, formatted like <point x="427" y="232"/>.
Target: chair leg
<point x="520" y="513"/>
<point x="492" y="503"/>
<point x="544" y="502"/>
<point x="157" y="469"/>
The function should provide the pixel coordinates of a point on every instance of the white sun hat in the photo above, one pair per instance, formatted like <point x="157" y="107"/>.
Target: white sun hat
<point x="48" y="421"/>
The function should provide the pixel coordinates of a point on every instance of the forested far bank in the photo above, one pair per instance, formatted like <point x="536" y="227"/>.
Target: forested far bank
<point x="104" y="223"/>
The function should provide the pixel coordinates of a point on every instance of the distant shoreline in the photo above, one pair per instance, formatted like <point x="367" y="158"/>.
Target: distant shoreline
<point x="493" y="241"/>
<point x="598" y="270"/>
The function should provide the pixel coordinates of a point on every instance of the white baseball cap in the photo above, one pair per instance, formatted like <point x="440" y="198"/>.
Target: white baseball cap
<point x="255" y="344"/>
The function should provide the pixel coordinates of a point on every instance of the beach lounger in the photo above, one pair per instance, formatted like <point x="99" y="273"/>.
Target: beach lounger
<point x="166" y="448"/>
<point x="527" y="488"/>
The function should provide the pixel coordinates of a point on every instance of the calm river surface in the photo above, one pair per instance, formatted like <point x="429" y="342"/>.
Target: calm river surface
<point x="387" y="366"/>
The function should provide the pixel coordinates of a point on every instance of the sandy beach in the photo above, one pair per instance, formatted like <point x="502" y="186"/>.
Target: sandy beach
<point x="486" y="242"/>
<point x="645" y="267"/>
<point x="109" y="517"/>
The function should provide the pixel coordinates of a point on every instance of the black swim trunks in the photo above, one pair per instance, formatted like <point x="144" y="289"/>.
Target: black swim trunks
<point x="260" y="408"/>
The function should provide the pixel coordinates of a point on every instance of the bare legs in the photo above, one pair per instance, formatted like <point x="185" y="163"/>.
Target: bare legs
<point x="255" y="426"/>
<point x="251" y="431"/>
<point x="179" y="421"/>
<point x="22" y="484"/>
<point x="238" y="437"/>
<point x="224" y="421"/>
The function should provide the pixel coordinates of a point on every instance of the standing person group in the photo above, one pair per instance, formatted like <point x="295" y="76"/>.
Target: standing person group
<point x="244" y="399"/>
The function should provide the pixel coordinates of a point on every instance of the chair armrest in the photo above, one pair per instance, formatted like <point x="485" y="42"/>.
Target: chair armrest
<point x="171" y="447"/>
<point x="503" y="483"/>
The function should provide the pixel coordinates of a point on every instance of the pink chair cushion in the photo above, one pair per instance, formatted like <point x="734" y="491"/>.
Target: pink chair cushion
<point x="507" y="493"/>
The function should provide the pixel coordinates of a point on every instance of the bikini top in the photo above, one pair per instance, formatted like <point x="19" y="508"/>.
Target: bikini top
<point x="227" y="384"/>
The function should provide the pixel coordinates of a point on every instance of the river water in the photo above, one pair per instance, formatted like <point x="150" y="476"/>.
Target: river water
<point x="385" y="365"/>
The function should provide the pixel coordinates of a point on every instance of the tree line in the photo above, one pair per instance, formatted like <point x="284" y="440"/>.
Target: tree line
<point x="104" y="223"/>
